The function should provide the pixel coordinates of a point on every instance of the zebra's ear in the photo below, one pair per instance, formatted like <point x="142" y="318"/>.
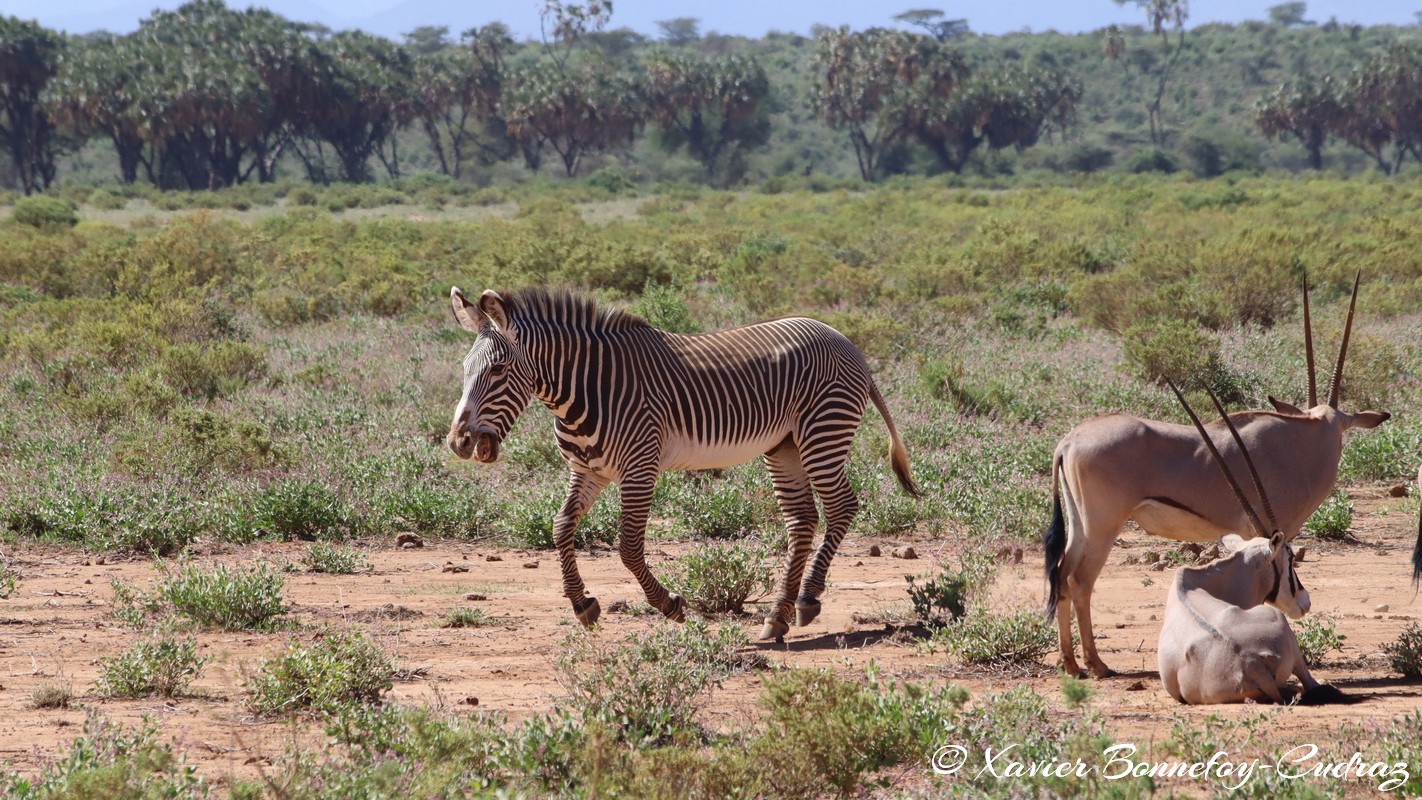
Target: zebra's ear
<point x="491" y="305"/>
<point x="464" y="311"/>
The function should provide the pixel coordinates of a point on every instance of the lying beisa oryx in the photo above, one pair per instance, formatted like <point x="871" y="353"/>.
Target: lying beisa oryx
<point x="1117" y="467"/>
<point x="1224" y="639"/>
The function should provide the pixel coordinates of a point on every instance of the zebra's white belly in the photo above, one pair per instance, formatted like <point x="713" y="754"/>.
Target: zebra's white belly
<point x="683" y="453"/>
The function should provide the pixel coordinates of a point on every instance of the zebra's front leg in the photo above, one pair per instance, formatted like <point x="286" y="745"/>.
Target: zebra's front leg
<point x="583" y="490"/>
<point x="636" y="505"/>
<point x="797" y="505"/>
<point x="840" y="507"/>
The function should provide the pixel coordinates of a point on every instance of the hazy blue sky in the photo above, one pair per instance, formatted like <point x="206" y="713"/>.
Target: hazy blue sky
<point x="747" y="17"/>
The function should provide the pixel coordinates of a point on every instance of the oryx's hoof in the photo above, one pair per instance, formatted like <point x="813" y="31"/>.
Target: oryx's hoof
<point x="587" y="611"/>
<point x="774" y="630"/>
<point x="676" y="609"/>
<point x="806" y="611"/>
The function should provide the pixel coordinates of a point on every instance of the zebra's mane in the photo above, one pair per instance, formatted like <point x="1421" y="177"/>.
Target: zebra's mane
<point x="561" y="307"/>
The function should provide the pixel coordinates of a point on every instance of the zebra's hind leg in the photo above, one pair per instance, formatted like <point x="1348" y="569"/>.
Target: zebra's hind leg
<point x="797" y="505"/>
<point x="840" y="507"/>
<point x="636" y="505"/>
<point x="583" y="490"/>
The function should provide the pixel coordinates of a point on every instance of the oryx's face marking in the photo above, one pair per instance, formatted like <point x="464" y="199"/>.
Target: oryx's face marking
<point x="1286" y="591"/>
<point x="498" y="383"/>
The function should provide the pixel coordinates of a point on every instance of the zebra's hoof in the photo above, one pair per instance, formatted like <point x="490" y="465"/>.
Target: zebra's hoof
<point x="806" y="611"/>
<point x="676" y="609"/>
<point x="587" y="611"/>
<point x="774" y="630"/>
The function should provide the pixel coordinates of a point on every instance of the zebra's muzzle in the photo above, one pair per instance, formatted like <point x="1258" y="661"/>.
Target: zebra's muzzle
<point x="486" y="448"/>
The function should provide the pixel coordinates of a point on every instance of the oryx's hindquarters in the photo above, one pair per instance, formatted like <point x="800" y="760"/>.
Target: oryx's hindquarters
<point x="631" y="401"/>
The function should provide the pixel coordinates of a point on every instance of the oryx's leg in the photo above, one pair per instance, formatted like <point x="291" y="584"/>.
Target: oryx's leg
<point x="1080" y="585"/>
<point x="825" y="454"/>
<point x="1091" y="533"/>
<point x="797" y="505"/>
<point x="1068" y="649"/>
<point x="583" y="490"/>
<point x="636" y="490"/>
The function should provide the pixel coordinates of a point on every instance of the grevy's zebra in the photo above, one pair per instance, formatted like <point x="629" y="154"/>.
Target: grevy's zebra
<point x="631" y="401"/>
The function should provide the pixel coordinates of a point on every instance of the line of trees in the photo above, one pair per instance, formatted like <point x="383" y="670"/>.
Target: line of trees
<point x="1376" y="109"/>
<point x="206" y="97"/>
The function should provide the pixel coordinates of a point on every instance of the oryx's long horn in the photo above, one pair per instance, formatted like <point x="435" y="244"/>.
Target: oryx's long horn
<point x="1336" y="386"/>
<point x="1308" y="350"/>
<point x="1248" y="461"/>
<point x="1219" y="459"/>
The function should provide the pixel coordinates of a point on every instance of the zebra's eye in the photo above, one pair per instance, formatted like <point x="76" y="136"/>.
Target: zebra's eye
<point x="498" y="369"/>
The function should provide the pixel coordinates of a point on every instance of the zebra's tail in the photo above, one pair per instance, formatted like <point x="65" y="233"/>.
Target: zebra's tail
<point x="898" y="454"/>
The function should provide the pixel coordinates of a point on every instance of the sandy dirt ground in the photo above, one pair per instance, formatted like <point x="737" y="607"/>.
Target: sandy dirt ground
<point x="58" y="626"/>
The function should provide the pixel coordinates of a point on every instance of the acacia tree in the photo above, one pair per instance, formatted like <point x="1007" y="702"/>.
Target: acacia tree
<point x="460" y="90"/>
<point x="1003" y="106"/>
<point x="29" y="59"/>
<point x="867" y="83"/>
<point x="368" y="96"/>
<point x="1165" y="17"/>
<point x="573" y="112"/>
<point x="93" y="95"/>
<point x="934" y="22"/>
<point x="716" y="109"/>
<point x="1383" y="107"/>
<point x="1306" y="109"/>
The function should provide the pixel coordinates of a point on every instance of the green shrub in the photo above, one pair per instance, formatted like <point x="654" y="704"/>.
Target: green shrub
<point x="611" y="181"/>
<point x="649" y="689"/>
<point x="1332" y="519"/>
<point x="1386" y="452"/>
<point x="298" y="509"/>
<point x="1151" y="159"/>
<point x="45" y="212"/>
<point x="334" y="559"/>
<point x="1318" y="637"/>
<point x="160" y="665"/>
<point x="1184" y="354"/>
<point x="208" y="371"/>
<point x="338" y="669"/>
<point x="302" y="196"/>
<point x="227" y="598"/>
<point x="939" y="600"/>
<point x="989" y="638"/>
<point x="9" y="579"/>
<point x="720" y="577"/>
<point x="105" y="200"/>
<point x="108" y="761"/>
<point x="467" y="618"/>
<point x="1075" y="691"/>
<point x="827" y="731"/>
<point x="1404" y="654"/>
<point x="664" y="308"/>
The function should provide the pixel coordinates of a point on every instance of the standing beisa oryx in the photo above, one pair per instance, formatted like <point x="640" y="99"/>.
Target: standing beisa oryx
<point x="631" y="401"/>
<point x="1118" y="467"/>
<point x="1225" y="638"/>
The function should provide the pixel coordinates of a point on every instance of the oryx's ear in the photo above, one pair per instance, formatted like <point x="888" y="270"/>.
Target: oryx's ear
<point x="1370" y="419"/>
<point x="464" y="311"/>
<point x="1229" y="543"/>
<point x="492" y="306"/>
<point x="1276" y="540"/>
<point x="1284" y="408"/>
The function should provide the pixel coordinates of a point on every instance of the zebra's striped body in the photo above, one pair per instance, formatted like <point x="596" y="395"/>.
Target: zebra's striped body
<point x="631" y="401"/>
